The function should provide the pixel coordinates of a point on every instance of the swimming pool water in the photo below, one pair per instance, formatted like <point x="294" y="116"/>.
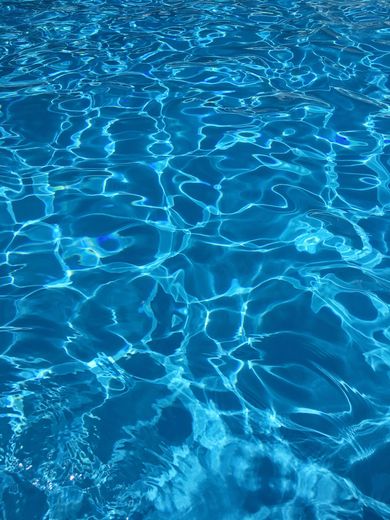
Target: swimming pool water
<point x="195" y="270"/>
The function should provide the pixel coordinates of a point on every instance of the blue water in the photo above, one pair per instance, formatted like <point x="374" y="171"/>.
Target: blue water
<point x="195" y="269"/>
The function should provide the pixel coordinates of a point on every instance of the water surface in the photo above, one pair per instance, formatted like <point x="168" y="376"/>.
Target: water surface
<point x="194" y="247"/>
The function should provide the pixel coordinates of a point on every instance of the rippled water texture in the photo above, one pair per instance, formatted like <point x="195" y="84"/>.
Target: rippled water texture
<point x="195" y="270"/>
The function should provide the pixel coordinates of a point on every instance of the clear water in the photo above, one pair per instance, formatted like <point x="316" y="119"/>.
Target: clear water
<point x="195" y="270"/>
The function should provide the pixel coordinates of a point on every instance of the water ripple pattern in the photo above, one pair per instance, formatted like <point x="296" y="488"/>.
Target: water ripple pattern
<point x="194" y="260"/>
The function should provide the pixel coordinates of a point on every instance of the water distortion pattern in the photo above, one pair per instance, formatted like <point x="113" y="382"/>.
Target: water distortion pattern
<point x="194" y="259"/>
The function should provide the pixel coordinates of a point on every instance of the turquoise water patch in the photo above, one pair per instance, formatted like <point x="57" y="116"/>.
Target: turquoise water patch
<point x="194" y="260"/>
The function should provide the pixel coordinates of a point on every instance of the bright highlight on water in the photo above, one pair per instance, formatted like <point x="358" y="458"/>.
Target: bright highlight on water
<point x="195" y="269"/>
